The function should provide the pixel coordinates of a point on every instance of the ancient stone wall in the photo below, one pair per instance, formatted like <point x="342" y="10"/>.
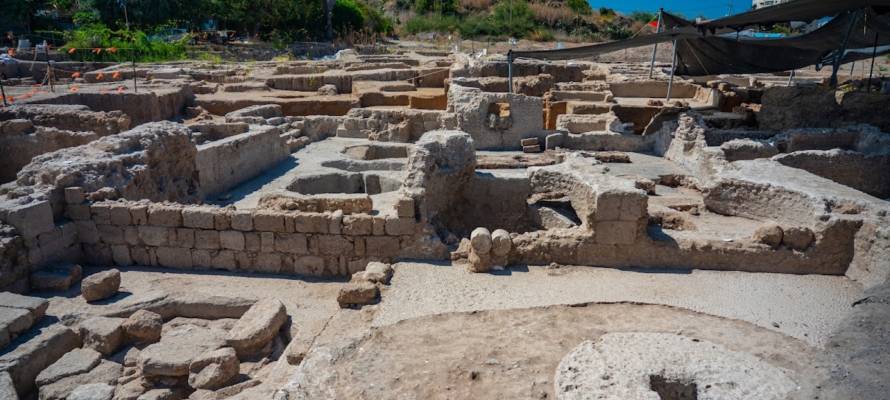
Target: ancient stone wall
<point x="201" y="237"/>
<point x="13" y="261"/>
<point x="225" y="163"/>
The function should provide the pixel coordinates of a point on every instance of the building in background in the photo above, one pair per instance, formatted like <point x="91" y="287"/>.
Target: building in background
<point x="766" y="3"/>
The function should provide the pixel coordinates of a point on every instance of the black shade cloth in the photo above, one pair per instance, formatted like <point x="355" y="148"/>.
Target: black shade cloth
<point x="703" y="51"/>
<point x="795" y="10"/>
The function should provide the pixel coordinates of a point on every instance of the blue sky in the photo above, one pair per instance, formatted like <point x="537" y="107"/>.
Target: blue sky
<point x="689" y="8"/>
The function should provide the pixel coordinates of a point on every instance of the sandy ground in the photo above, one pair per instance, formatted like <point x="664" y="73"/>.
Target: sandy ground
<point x="512" y="354"/>
<point x="803" y="307"/>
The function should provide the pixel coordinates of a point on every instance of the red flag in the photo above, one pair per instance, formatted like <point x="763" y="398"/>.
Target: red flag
<point x="653" y="24"/>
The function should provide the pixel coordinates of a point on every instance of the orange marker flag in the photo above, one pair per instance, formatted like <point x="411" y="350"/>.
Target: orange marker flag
<point x="75" y="75"/>
<point x="111" y="50"/>
<point x="100" y="76"/>
<point x="97" y="50"/>
<point x="116" y="75"/>
<point x="120" y="89"/>
<point x="11" y="52"/>
<point x="10" y="99"/>
<point x="73" y="89"/>
<point x="71" y="50"/>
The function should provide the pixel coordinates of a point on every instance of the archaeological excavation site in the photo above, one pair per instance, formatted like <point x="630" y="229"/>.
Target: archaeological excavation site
<point x="403" y="222"/>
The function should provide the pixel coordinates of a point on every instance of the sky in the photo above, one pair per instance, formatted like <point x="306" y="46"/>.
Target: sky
<point x="689" y="8"/>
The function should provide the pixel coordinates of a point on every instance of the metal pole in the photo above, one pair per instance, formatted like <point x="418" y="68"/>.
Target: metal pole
<point x="791" y="77"/>
<point x="510" y="71"/>
<point x="655" y="49"/>
<point x="874" y="53"/>
<point x="49" y="76"/>
<point x="843" y="50"/>
<point x="135" y="88"/>
<point x="673" y="68"/>
<point x="3" y="94"/>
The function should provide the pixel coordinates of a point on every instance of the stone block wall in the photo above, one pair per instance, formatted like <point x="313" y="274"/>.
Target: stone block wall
<point x="225" y="163"/>
<point x="202" y="237"/>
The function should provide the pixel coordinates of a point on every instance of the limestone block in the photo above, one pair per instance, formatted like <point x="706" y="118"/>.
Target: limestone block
<point x="400" y="226"/>
<point x="311" y="223"/>
<point x="268" y="262"/>
<point x="308" y="265"/>
<point x="769" y="234"/>
<point x="120" y="255"/>
<point x="375" y="272"/>
<point x="257" y="327"/>
<point x="616" y="232"/>
<point x="335" y="222"/>
<point x="119" y="214"/>
<point x="139" y="214"/>
<point x="405" y="207"/>
<point x="252" y="241"/>
<point x="31" y="219"/>
<point x="358" y="224"/>
<point x="111" y="234"/>
<point x="143" y="326"/>
<point x="798" y="238"/>
<point x="74" y="362"/>
<point x="78" y="212"/>
<point x="267" y="242"/>
<point x="101" y="212"/>
<point x="333" y="244"/>
<point x="56" y="278"/>
<point x="154" y="235"/>
<point x="294" y="243"/>
<point x="266" y="221"/>
<point x="382" y="246"/>
<point x="231" y="240"/>
<point x="92" y="391"/>
<point x="357" y="294"/>
<point x="165" y="215"/>
<point x="174" y="257"/>
<point x="480" y="240"/>
<point x="198" y="217"/>
<point x="501" y="243"/>
<point x="378" y="226"/>
<point x="206" y="239"/>
<point x="87" y="232"/>
<point x="102" y="334"/>
<point x="242" y="220"/>
<point x="222" y="220"/>
<point x="100" y="285"/>
<point x="213" y="369"/>
<point x="27" y="360"/>
<point x="185" y="237"/>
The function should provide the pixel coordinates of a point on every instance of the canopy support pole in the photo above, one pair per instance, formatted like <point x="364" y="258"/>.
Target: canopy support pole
<point x="3" y="94"/>
<point x="510" y="71"/>
<point x="874" y="53"/>
<point x="655" y="49"/>
<point x="843" y="49"/>
<point x="673" y="68"/>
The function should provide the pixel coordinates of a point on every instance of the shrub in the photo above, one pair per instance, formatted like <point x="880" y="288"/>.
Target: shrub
<point x="126" y="44"/>
<point x="580" y="6"/>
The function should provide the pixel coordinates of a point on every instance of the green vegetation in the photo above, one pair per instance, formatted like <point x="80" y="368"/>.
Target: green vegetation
<point x="152" y="30"/>
<point x="272" y="20"/>
<point x="534" y="20"/>
<point x="98" y="43"/>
